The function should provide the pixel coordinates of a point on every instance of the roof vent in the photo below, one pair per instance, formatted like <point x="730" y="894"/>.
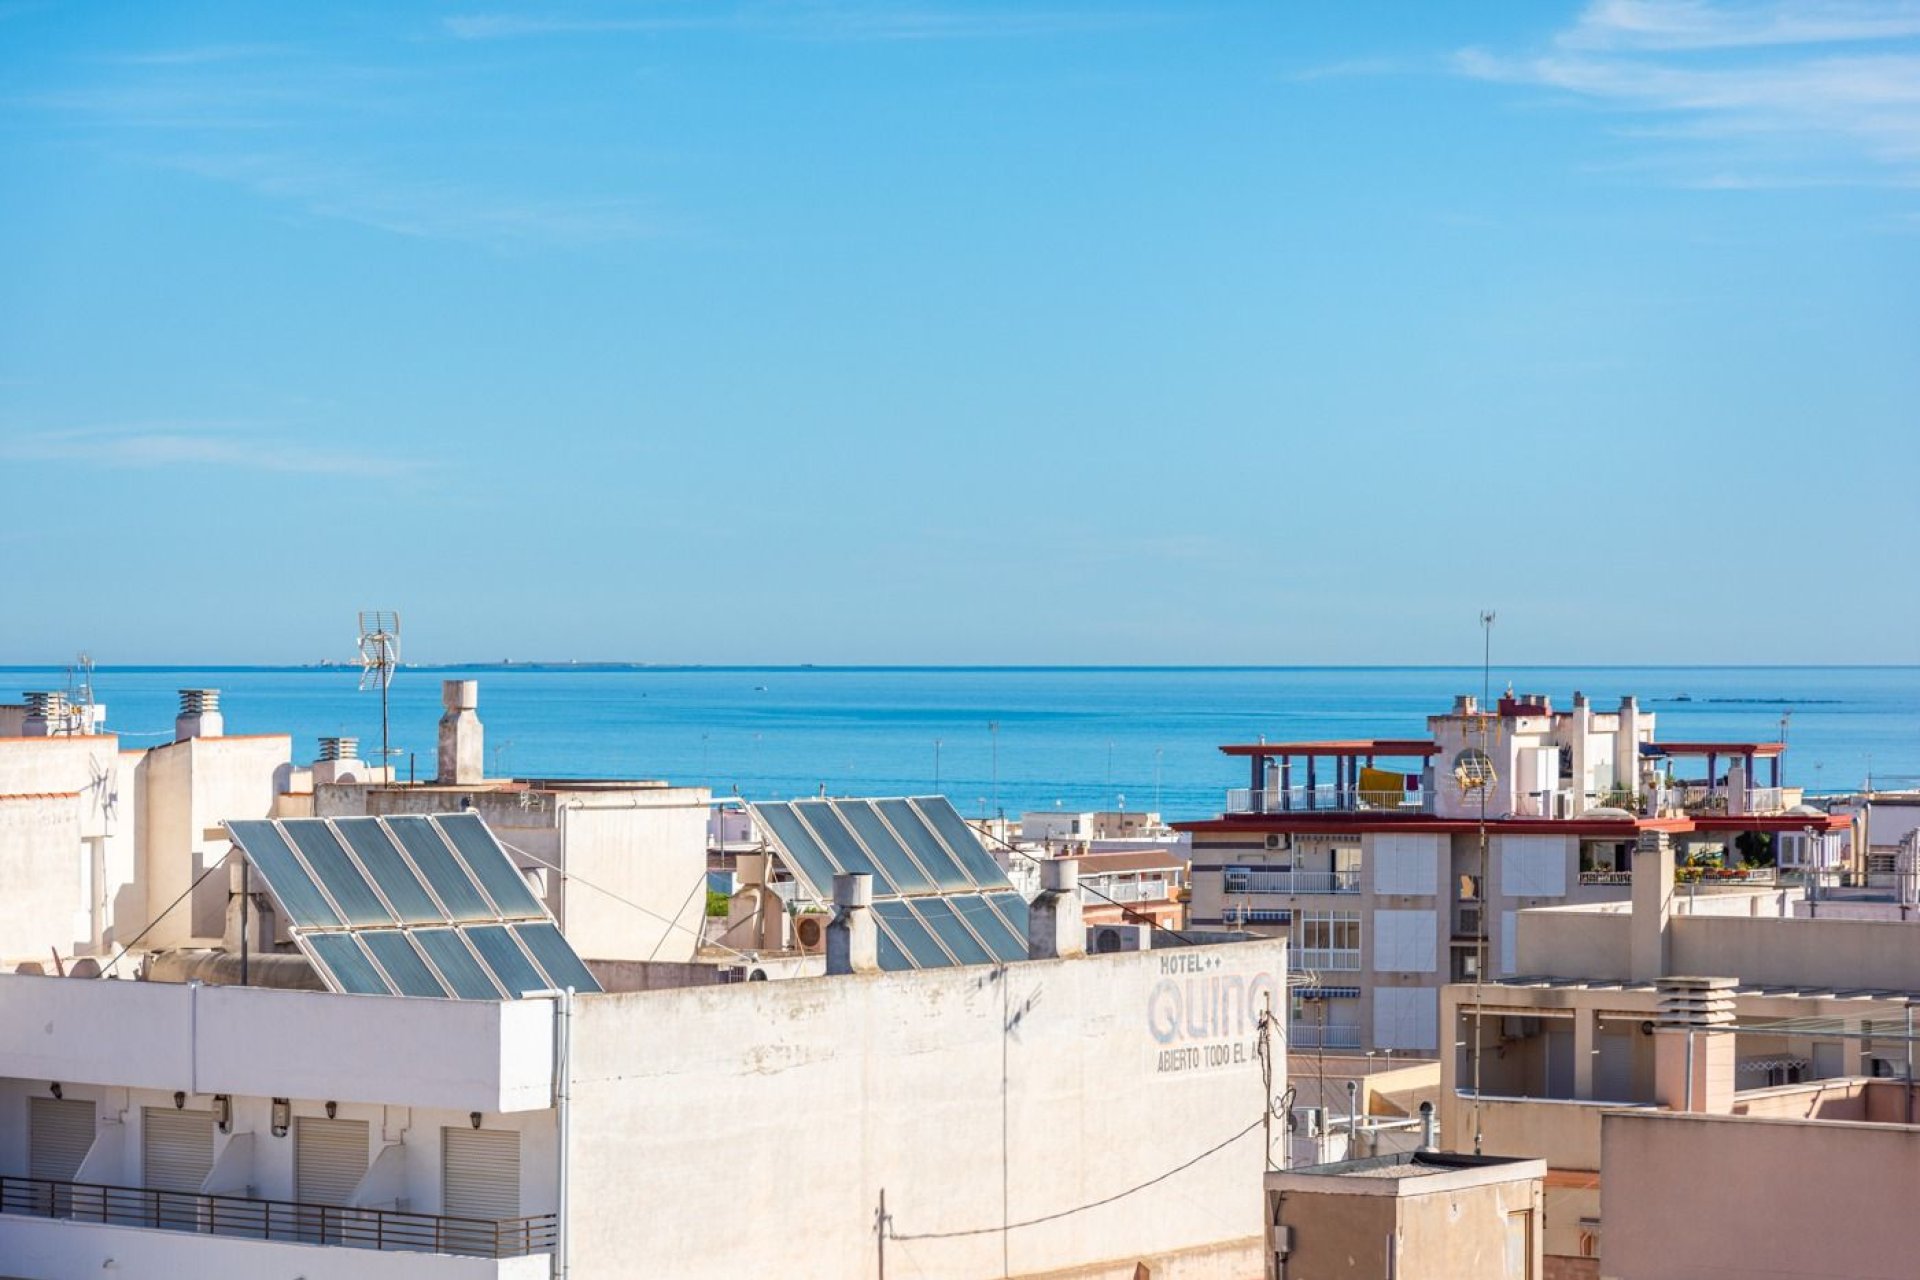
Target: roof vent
<point x="199" y="715"/>
<point x="339" y="748"/>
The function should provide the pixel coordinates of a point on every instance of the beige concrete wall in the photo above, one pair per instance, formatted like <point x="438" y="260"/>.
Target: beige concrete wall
<point x="1846" y="1192"/>
<point x="1564" y="1134"/>
<point x="1804" y="953"/>
<point x="636" y="875"/>
<point x="1462" y="1234"/>
<point x="973" y="1096"/>
<point x="42" y="893"/>
<point x="1592" y="942"/>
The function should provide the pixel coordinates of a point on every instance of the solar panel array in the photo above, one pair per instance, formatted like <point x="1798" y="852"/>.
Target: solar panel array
<point x="938" y="896"/>
<point x="411" y="906"/>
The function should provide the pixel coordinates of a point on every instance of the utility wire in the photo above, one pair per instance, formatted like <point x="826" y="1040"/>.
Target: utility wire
<point x="648" y="911"/>
<point x="163" y="915"/>
<point x="1095" y="1204"/>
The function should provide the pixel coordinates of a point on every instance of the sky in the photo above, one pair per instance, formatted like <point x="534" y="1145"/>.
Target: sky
<point x="838" y="331"/>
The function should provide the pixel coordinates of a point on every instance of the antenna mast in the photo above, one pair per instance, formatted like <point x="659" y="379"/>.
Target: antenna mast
<point x="379" y="655"/>
<point x="1475" y="772"/>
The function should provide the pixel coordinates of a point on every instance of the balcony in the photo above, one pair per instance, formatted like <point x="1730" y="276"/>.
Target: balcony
<point x="1324" y="799"/>
<point x="1309" y="1035"/>
<point x="1290" y="882"/>
<point x="277" y="1220"/>
<point x="1323" y="960"/>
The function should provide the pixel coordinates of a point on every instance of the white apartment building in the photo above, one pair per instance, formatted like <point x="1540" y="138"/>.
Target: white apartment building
<point x="1368" y="854"/>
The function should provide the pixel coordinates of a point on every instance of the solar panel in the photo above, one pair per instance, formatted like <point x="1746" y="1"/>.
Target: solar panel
<point x="906" y="821"/>
<point x="886" y="848"/>
<point x="804" y="856"/>
<point x="914" y="937"/>
<point x="964" y="841"/>
<point x="993" y="928"/>
<point x="491" y="866"/>
<point x="509" y="964"/>
<point x="352" y="972"/>
<point x="943" y="918"/>
<point x="337" y="874"/>
<point x="823" y="817"/>
<point x="457" y="964"/>
<point x="551" y="952"/>
<point x="390" y="872"/>
<point x="436" y="862"/>
<point x="409" y="974"/>
<point x="939" y="898"/>
<point x="353" y="890"/>
<point x="286" y="877"/>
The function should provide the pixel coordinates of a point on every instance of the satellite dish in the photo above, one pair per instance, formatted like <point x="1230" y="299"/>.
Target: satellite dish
<point x="1473" y="770"/>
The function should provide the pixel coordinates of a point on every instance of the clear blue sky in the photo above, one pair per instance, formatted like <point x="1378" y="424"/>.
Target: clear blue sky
<point x="955" y="332"/>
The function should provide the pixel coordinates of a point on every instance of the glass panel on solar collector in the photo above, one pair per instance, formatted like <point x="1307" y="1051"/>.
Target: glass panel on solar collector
<point x="994" y="931"/>
<point x="353" y="973"/>
<point x="390" y="871"/>
<point x="551" y="951"/>
<point x="488" y="860"/>
<point x="964" y="841"/>
<point x="409" y="974"/>
<point x="841" y="845"/>
<point x="805" y="858"/>
<point x="886" y="848"/>
<point x="272" y="857"/>
<point x="942" y="916"/>
<point x="897" y="917"/>
<point x="456" y="962"/>
<point x="502" y="955"/>
<point x="437" y="863"/>
<point x="906" y="821"/>
<point x="335" y="870"/>
<point x="1013" y="910"/>
<point x="887" y="951"/>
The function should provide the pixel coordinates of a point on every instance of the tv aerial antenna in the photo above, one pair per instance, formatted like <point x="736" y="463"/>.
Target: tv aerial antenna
<point x="1474" y="774"/>
<point x="379" y="655"/>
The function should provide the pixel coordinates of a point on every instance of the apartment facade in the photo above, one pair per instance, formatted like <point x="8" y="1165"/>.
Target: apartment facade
<point x="1396" y="866"/>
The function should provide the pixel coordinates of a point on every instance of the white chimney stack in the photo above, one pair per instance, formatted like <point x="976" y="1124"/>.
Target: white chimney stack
<point x="852" y="944"/>
<point x="199" y="715"/>
<point x="462" y="757"/>
<point x="1055" y="928"/>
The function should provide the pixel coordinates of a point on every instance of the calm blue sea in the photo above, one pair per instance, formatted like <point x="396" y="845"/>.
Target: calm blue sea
<point x="1077" y="737"/>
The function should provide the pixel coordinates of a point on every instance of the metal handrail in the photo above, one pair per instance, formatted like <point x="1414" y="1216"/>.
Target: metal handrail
<point x="1325" y="796"/>
<point x="278" y="1219"/>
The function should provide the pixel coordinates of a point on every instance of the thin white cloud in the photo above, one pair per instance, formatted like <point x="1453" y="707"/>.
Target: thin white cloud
<point x="1700" y="24"/>
<point x="157" y="445"/>
<point x="417" y="208"/>
<point x="1764" y="78"/>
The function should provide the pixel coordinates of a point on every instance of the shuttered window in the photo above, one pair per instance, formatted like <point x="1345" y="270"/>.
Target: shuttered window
<point x="61" y="1133"/>
<point x="176" y="1149"/>
<point x="329" y="1159"/>
<point x="176" y="1155"/>
<point x="481" y="1173"/>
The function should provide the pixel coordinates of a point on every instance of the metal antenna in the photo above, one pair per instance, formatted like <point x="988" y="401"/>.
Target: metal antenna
<point x="379" y="655"/>
<point x="1474" y="772"/>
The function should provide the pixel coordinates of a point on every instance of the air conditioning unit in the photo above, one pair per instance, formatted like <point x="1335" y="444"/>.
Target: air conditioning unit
<point x="810" y="933"/>
<point x="1279" y="840"/>
<point x="1107" y="939"/>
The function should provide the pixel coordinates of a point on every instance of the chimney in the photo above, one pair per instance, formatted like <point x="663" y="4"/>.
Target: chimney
<point x="1693" y="1050"/>
<point x="1465" y="704"/>
<point x="1055" y="930"/>
<point x="1651" y="922"/>
<point x="199" y="715"/>
<point x="339" y="761"/>
<point x="852" y="945"/>
<point x="1429" y="1130"/>
<point x="261" y="926"/>
<point x="462" y="759"/>
<point x="46" y="715"/>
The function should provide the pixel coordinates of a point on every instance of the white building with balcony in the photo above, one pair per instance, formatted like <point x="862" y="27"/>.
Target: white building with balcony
<point x="1368" y="854"/>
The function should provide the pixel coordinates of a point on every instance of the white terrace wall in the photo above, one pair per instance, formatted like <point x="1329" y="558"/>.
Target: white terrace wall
<point x="749" y="1130"/>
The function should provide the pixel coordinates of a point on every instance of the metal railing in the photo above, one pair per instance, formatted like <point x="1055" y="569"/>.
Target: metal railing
<point x="1308" y="1035"/>
<point x="1323" y="959"/>
<point x="1325" y="797"/>
<point x="277" y="1219"/>
<point x="1291" y="882"/>
<point x="1156" y="890"/>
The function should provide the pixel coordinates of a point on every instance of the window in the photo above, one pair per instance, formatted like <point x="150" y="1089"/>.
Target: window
<point x="1326" y="940"/>
<point x="1469" y="888"/>
<point x="1234" y="879"/>
<point x="1466" y="964"/>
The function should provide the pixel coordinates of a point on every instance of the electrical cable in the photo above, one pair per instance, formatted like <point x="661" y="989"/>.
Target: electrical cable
<point x="1095" y="1204"/>
<point x="163" y="915"/>
<point x="672" y="924"/>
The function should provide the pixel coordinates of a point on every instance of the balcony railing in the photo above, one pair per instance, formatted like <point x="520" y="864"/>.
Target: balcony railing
<point x="277" y="1219"/>
<point x="1323" y="959"/>
<point x="1308" y="1035"/>
<point x="1326" y="797"/>
<point x="1236" y="883"/>
<point x="1093" y="891"/>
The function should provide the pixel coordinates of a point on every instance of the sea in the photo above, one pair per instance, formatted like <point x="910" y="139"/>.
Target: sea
<point x="995" y="739"/>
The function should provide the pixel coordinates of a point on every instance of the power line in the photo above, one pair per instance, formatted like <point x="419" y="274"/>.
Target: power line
<point x="163" y="915"/>
<point x="1093" y="1204"/>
